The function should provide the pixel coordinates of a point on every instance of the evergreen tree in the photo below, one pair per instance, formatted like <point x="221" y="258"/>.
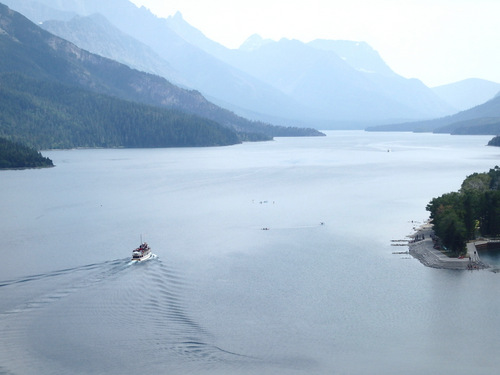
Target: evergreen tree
<point x="475" y="209"/>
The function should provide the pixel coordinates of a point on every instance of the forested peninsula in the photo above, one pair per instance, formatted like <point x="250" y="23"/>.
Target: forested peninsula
<point x="472" y="212"/>
<point x="14" y="155"/>
<point x="495" y="141"/>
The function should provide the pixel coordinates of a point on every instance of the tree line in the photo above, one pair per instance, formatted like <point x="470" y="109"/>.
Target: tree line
<point x="471" y="212"/>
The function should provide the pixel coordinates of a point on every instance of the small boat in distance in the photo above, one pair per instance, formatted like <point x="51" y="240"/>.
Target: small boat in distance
<point x="143" y="252"/>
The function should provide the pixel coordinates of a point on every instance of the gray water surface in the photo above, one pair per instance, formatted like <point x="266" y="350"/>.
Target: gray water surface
<point x="318" y="292"/>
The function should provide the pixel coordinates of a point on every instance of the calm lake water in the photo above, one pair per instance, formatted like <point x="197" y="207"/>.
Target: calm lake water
<point x="318" y="292"/>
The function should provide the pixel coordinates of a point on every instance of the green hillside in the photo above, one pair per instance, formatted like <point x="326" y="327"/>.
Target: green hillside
<point x="28" y="50"/>
<point x="48" y="115"/>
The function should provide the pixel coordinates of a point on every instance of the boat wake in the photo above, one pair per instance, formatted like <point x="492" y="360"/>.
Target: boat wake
<point x="121" y="316"/>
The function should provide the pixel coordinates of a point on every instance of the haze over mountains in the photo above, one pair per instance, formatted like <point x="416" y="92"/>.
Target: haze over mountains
<point x="468" y="93"/>
<point x="482" y="119"/>
<point x="55" y="94"/>
<point x="324" y="83"/>
<point x="339" y="80"/>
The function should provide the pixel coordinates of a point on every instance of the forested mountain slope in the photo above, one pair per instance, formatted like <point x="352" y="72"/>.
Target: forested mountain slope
<point x="28" y="50"/>
<point x="46" y="115"/>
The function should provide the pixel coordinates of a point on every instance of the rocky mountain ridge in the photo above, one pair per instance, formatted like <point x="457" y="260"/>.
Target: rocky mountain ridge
<point x="29" y="51"/>
<point x="337" y="89"/>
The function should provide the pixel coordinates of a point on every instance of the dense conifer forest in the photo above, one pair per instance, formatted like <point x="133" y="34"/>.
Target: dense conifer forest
<point x="471" y="212"/>
<point x="495" y="141"/>
<point x="16" y="155"/>
<point x="47" y="115"/>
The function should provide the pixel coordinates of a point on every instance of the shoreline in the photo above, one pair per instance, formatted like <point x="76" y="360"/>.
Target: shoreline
<point x="423" y="250"/>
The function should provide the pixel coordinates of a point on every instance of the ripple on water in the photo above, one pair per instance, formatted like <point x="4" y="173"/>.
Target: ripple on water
<point x="117" y="314"/>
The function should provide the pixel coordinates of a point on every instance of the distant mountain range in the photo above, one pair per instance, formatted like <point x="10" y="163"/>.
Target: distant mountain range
<point x="326" y="84"/>
<point x="29" y="51"/>
<point x="468" y="93"/>
<point x="97" y="35"/>
<point x="482" y="119"/>
<point x="340" y="80"/>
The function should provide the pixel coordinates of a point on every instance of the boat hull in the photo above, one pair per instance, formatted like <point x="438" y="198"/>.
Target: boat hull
<point x="142" y="258"/>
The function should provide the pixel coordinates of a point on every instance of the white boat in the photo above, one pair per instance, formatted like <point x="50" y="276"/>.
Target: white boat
<point x="143" y="252"/>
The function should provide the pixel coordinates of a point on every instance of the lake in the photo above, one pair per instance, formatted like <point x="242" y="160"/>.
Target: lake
<point x="270" y="258"/>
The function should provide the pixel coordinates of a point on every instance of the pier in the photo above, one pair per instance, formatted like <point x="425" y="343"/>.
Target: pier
<point x="422" y="248"/>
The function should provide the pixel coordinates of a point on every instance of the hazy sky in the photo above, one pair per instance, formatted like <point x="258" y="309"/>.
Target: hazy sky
<point x="437" y="41"/>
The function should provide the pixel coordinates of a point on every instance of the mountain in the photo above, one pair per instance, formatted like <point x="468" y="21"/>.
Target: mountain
<point x="219" y="82"/>
<point x="194" y="36"/>
<point x="468" y="93"/>
<point x="482" y="119"/>
<point x="360" y="87"/>
<point x="48" y="114"/>
<point x="28" y="50"/>
<point x="96" y="34"/>
<point x="326" y="83"/>
<point x="341" y="80"/>
<point x="358" y="55"/>
<point x="37" y="11"/>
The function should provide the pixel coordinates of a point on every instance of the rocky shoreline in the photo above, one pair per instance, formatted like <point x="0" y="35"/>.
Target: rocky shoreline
<point x="422" y="248"/>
